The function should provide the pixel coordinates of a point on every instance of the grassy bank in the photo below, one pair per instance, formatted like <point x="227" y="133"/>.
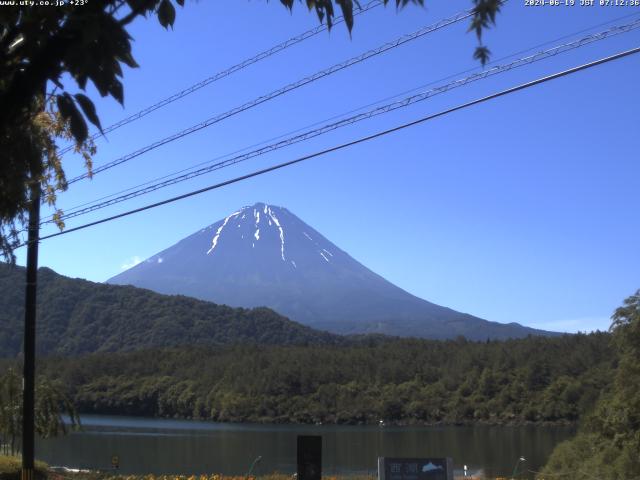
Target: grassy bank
<point x="10" y="466"/>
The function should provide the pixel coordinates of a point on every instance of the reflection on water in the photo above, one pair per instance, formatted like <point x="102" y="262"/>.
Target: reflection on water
<point x="193" y="447"/>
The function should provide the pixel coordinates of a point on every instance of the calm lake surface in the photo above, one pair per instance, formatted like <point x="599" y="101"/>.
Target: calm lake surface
<point x="194" y="447"/>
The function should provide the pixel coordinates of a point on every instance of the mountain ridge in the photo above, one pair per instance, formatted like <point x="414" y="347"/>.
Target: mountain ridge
<point x="76" y="316"/>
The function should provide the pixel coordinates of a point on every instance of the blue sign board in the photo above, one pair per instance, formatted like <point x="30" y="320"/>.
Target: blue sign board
<point x="415" y="468"/>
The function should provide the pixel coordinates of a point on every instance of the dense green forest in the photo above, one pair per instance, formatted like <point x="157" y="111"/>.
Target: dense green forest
<point x="398" y="380"/>
<point x="607" y="447"/>
<point x="76" y="316"/>
<point x="122" y="350"/>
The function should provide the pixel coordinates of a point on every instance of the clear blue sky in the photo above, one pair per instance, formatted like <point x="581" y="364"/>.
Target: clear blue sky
<point x="523" y="209"/>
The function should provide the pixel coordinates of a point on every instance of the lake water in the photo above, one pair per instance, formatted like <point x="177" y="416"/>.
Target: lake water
<point x="194" y="447"/>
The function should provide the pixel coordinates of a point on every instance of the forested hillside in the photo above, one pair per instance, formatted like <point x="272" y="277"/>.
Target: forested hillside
<point x="404" y="381"/>
<point x="76" y="316"/>
<point x="607" y="447"/>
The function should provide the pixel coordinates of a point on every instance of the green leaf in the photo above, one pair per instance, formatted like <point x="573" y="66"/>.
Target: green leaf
<point x="70" y="113"/>
<point x="483" y="54"/>
<point x="117" y="91"/>
<point x="142" y="5"/>
<point x="287" y="3"/>
<point x="476" y="25"/>
<point x="102" y="80"/>
<point x="115" y="66"/>
<point x="347" y="12"/>
<point x="79" y="128"/>
<point x="128" y="60"/>
<point x="89" y="110"/>
<point x="327" y="7"/>
<point x="82" y="80"/>
<point x="166" y="14"/>
<point x="65" y="105"/>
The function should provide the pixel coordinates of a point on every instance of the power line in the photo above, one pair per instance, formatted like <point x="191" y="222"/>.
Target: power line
<point x="405" y="102"/>
<point x="334" y="117"/>
<point x="225" y="73"/>
<point x="256" y="173"/>
<point x="281" y="91"/>
<point x="506" y="57"/>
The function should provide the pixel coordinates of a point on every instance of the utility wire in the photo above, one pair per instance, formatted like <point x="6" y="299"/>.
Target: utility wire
<point x="498" y="60"/>
<point x="403" y="126"/>
<point x="615" y="30"/>
<point x="225" y="73"/>
<point x="281" y="91"/>
<point x="335" y="117"/>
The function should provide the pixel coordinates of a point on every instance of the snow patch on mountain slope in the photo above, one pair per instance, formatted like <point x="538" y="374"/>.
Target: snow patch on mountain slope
<point x="280" y="229"/>
<point x="214" y="242"/>
<point x="268" y="214"/>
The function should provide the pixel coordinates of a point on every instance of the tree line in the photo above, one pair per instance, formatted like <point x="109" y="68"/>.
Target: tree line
<point x="607" y="446"/>
<point x="403" y="381"/>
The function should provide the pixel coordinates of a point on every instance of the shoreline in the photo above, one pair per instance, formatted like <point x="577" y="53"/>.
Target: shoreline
<point x="374" y="423"/>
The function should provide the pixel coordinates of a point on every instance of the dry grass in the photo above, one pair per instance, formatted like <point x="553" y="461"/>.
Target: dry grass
<point x="273" y="476"/>
<point x="10" y="470"/>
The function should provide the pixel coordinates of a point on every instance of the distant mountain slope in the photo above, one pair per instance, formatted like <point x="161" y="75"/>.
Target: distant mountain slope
<point x="265" y="255"/>
<point x="76" y="316"/>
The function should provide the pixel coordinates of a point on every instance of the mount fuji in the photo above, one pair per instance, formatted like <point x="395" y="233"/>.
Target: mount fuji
<point x="263" y="255"/>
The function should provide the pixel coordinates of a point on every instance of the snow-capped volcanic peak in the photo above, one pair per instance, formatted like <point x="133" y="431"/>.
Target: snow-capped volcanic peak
<point x="249" y="226"/>
<point x="262" y="227"/>
<point x="264" y="255"/>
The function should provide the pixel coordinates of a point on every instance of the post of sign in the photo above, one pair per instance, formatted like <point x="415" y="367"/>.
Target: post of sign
<point x="309" y="457"/>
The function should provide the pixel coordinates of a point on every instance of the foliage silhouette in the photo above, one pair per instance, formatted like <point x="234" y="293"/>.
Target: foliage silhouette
<point x="89" y="43"/>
